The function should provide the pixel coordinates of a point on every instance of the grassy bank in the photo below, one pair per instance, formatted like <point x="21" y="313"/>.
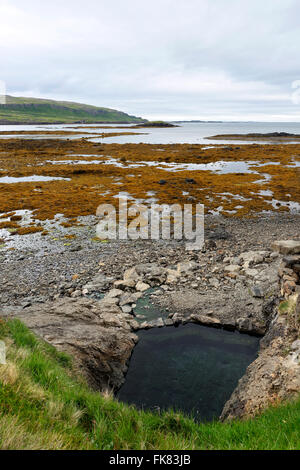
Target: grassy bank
<point x="46" y="405"/>
<point x="34" y="110"/>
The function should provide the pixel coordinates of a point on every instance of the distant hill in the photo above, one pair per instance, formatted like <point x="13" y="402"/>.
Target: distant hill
<point x="18" y="110"/>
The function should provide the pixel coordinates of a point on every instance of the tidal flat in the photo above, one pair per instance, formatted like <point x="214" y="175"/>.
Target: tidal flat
<point x="233" y="181"/>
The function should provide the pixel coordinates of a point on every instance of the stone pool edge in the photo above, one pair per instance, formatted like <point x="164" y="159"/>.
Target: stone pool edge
<point x="100" y="335"/>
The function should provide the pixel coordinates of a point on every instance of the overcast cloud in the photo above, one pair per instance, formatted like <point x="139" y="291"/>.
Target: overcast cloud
<point x="197" y="59"/>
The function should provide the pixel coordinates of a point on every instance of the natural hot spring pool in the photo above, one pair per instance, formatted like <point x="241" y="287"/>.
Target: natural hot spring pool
<point x="191" y="368"/>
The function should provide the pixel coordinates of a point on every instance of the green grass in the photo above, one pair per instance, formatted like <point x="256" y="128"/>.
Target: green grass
<point x="30" y="110"/>
<point x="45" y="404"/>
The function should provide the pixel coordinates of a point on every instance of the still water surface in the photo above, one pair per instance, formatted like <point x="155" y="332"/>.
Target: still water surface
<point x="191" y="368"/>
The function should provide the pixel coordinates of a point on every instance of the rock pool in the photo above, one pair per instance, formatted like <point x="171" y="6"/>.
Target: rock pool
<point x="191" y="368"/>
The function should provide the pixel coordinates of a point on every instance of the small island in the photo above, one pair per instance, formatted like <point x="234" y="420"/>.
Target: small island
<point x="271" y="136"/>
<point x="155" y="124"/>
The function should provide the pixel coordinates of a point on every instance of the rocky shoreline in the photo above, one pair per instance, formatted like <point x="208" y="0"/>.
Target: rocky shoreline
<point x="232" y="284"/>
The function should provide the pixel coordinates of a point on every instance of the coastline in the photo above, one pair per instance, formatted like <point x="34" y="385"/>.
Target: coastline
<point x="56" y="271"/>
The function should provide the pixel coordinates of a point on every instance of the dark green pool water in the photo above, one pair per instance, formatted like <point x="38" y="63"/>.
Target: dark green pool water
<point x="191" y="368"/>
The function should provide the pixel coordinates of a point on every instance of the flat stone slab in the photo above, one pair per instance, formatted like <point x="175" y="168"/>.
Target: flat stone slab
<point x="287" y="247"/>
<point x="97" y="334"/>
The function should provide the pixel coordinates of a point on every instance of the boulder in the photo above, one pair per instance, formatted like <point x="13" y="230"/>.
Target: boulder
<point x="131" y="275"/>
<point x="205" y="320"/>
<point x="287" y="247"/>
<point x="250" y="258"/>
<point x="98" y="284"/>
<point x="123" y="284"/>
<point x="97" y="334"/>
<point x="142" y="286"/>
<point x="172" y="276"/>
<point x="126" y="308"/>
<point x="114" y="293"/>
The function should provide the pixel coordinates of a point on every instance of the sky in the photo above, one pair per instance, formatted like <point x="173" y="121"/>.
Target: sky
<point x="159" y="59"/>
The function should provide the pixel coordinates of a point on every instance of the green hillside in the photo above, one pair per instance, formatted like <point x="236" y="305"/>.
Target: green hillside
<point x="39" y="111"/>
<point x="45" y="404"/>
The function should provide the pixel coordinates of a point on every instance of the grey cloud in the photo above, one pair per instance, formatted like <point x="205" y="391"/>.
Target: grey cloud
<point x="201" y="58"/>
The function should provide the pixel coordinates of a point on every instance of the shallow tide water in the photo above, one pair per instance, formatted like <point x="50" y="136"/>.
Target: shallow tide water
<point x="186" y="132"/>
<point x="190" y="368"/>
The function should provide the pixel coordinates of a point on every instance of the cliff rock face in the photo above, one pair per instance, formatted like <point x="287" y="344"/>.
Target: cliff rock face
<point x="275" y="375"/>
<point x="97" y="334"/>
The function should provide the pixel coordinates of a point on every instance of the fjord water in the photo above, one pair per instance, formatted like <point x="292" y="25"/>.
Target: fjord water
<point x="187" y="132"/>
<point x="191" y="368"/>
<point x="196" y="132"/>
